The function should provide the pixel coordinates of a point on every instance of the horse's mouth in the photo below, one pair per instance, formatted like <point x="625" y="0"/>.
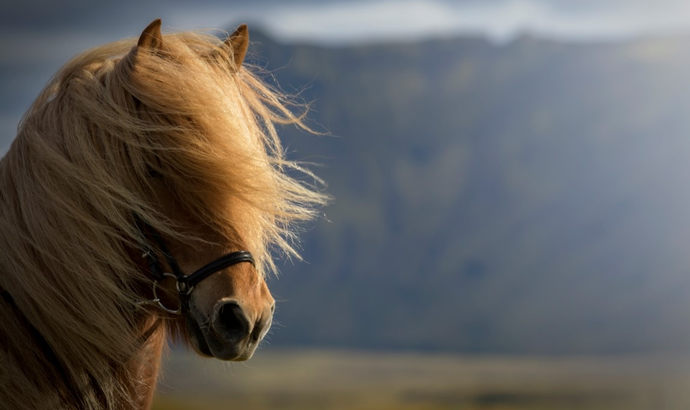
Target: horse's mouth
<point x="196" y="336"/>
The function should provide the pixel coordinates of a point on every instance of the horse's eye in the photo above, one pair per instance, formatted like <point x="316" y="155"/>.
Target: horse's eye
<point x="152" y="173"/>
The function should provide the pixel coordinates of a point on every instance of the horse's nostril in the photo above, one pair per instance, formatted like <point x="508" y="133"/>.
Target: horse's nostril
<point x="231" y="323"/>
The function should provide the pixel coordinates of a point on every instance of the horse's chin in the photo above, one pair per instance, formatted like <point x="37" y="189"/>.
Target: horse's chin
<point x="206" y="344"/>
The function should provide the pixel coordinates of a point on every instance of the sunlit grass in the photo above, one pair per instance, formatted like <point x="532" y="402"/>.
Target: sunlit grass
<point x="336" y="380"/>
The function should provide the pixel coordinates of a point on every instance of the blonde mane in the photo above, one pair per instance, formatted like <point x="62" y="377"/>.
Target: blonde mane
<point x="109" y="125"/>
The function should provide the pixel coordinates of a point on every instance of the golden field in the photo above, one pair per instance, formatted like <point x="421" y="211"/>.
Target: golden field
<point x="339" y="380"/>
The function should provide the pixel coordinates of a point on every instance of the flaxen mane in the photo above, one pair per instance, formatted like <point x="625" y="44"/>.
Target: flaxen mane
<point x="112" y="123"/>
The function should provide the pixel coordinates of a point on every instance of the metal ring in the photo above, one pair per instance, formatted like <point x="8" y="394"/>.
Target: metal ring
<point x="157" y="300"/>
<point x="177" y="283"/>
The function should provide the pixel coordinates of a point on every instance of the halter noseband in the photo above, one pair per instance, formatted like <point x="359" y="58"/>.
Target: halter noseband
<point x="185" y="283"/>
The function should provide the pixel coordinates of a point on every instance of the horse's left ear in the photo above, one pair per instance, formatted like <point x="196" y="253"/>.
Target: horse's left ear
<point x="151" y="37"/>
<point x="238" y="43"/>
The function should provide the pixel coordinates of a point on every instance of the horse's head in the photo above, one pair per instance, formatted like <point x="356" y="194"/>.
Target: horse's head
<point x="220" y="290"/>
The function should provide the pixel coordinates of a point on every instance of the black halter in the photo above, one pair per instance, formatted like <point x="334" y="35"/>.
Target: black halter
<point x="185" y="283"/>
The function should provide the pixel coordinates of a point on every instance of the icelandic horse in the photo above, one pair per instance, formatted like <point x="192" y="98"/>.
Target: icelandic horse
<point x="142" y="199"/>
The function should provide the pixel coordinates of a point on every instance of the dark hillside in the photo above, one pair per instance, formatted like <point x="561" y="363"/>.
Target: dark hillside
<point x="529" y="197"/>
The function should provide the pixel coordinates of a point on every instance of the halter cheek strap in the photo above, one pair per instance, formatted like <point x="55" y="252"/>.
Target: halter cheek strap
<point x="185" y="283"/>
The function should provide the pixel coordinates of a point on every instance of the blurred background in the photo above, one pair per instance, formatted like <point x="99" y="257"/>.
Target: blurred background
<point x="511" y="225"/>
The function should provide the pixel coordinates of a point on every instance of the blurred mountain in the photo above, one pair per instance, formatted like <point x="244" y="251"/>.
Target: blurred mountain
<point x="531" y="197"/>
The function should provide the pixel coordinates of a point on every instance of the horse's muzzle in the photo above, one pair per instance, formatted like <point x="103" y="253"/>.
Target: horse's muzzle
<point x="232" y="332"/>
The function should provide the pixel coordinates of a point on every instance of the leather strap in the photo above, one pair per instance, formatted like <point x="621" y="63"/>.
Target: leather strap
<point x="185" y="283"/>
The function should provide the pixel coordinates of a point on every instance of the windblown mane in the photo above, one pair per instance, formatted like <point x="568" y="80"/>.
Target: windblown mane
<point x="108" y="124"/>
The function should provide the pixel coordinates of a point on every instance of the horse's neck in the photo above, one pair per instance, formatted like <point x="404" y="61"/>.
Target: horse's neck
<point x="144" y="367"/>
<point x="33" y="376"/>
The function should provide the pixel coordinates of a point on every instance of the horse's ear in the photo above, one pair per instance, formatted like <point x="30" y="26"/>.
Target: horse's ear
<point x="151" y="37"/>
<point x="238" y="43"/>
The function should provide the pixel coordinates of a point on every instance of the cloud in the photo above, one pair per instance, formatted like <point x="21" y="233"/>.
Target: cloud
<point x="340" y="21"/>
<point x="345" y="22"/>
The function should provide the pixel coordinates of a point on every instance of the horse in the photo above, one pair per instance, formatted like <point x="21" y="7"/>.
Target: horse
<point x="142" y="201"/>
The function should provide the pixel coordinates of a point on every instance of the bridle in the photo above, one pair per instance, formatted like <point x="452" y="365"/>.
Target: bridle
<point x="185" y="283"/>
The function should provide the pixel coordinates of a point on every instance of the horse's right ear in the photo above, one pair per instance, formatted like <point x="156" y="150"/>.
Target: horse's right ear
<point x="238" y="42"/>
<point x="151" y="38"/>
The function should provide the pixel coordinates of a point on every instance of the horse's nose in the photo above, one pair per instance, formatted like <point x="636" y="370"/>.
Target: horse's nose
<point x="230" y="322"/>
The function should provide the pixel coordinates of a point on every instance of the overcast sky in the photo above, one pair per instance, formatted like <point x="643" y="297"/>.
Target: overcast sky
<point x="45" y="29"/>
<point x="38" y="36"/>
<point x="338" y="21"/>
